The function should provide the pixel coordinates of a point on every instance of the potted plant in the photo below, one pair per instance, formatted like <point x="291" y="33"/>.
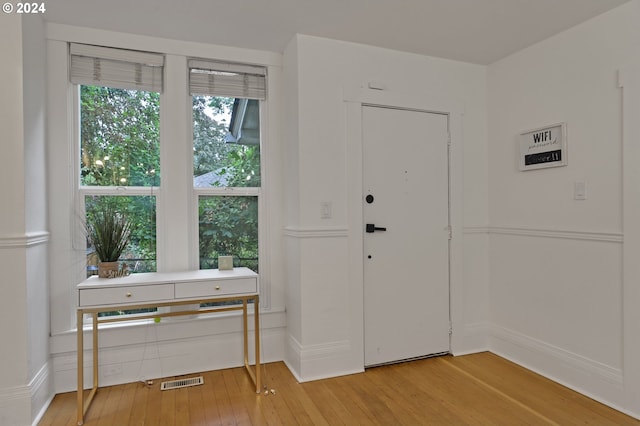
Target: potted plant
<point x="109" y="232"/>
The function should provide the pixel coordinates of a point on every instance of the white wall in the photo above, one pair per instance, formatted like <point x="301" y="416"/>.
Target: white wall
<point x="27" y="383"/>
<point x="291" y="196"/>
<point x="325" y="333"/>
<point x="36" y="218"/>
<point x="556" y="262"/>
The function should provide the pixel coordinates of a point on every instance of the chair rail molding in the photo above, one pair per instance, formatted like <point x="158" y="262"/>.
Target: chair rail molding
<point x="28" y="239"/>
<point x="614" y="237"/>
<point x="308" y="232"/>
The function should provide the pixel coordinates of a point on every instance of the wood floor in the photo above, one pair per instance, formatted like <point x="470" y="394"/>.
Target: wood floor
<point x="479" y="389"/>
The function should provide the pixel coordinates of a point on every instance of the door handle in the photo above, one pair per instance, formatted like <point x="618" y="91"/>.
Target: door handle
<point x="373" y="228"/>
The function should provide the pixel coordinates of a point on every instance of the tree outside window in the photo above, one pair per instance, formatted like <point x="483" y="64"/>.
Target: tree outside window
<point x="120" y="149"/>
<point x="226" y="148"/>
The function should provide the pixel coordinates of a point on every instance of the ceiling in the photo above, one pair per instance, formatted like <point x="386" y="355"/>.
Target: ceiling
<point x="476" y="31"/>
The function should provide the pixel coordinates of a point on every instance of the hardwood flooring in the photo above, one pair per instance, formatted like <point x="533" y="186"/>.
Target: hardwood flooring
<point x="479" y="389"/>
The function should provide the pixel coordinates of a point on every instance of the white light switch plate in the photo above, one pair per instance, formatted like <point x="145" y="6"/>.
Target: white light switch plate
<point x="580" y="190"/>
<point x="325" y="210"/>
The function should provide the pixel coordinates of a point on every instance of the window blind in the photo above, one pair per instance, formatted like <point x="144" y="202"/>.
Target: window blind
<point x="121" y="68"/>
<point x="224" y="79"/>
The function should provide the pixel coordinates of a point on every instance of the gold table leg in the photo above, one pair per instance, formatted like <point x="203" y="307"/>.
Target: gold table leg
<point x="254" y="373"/>
<point x="83" y="405"/>
<point x="256" y="313"/>
<point x="80" y="414"/>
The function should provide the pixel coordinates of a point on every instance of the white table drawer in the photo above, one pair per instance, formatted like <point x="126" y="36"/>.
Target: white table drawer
<point x="126" y="294"/>
<point x="216" y="288"/>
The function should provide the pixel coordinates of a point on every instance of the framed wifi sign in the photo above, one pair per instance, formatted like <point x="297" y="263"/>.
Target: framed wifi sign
<point x="544" y="147"/>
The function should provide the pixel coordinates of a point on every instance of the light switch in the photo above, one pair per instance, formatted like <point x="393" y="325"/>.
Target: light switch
<point x="579" y="190"/>
<point x="325" y="210"/>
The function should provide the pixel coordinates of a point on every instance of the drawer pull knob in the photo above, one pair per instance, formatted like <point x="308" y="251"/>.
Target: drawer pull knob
<point x="128" y="294"/>
<point x="217" y="287"/>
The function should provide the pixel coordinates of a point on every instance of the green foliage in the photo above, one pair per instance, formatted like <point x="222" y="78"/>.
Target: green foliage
<point x="141" y="213"/>
<point x="120" y="134"/>
<point x="209" y="147"/>
<point x="235" y="165"/>
<point x="228" y="226"/>
<point x="243" y="167"/>
<point x="108" y="230"/>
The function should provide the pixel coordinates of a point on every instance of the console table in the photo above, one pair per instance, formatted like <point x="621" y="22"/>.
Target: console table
<point x="155" y="289"/>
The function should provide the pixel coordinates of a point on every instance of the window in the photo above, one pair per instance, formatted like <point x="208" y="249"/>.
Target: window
<point x="121" y="113"/>
<point x="119" y="154"/>
<point x="226" y="160"/>
<point x="119" y="143"/>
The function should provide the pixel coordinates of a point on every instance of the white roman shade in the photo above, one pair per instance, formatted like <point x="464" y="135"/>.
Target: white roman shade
<point x="224" y="79"/>
<point x="121" y="68"/>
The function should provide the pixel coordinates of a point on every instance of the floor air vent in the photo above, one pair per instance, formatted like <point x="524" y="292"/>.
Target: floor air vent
<point x="182" y="383"/>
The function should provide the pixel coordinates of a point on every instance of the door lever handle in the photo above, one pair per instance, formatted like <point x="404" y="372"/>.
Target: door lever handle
<point x="373" y="228"/>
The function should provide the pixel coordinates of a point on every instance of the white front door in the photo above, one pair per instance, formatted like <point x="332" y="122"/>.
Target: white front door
<point x="406" y="245"/>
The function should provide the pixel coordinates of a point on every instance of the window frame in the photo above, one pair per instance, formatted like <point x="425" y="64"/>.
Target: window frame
<point x="256" y="191"/>
<point x="177" y="250"/>
<point x="82" y="191"/>
<point x="262" y="96"/>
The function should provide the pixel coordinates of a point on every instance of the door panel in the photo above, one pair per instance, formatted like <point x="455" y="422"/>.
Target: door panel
<point x="406" y="266"/>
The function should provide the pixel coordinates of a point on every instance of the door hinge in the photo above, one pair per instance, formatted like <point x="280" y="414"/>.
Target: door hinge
<point x="449" y="138"/>
<point x="449" y="231"/>
<point x="450" y="329"/>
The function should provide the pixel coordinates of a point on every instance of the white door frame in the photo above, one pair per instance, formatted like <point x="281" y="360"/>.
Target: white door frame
<point x="354" y="100"/>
